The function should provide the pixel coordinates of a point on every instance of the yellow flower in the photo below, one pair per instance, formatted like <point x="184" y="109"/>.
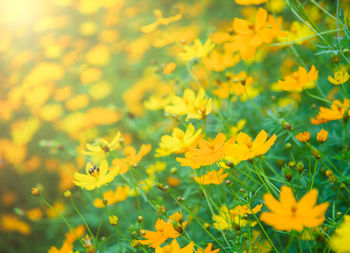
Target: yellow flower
<point x="178" y="142"/>
<point x="246" y="149"/>
<point x="249" y="2"/>
<point x="174" y="247"/>
<point x="195" y="107"/>
<point x="340" y="239"/>
<point x="322" y="136"/>
<point x="101" y="147"/>
<point x="288" y="214"/>
<point x="300" y="80"/>
<point x="208" y="249"/>
<point x="113" y="220"/>
<point x="160" y="21"/>
<point x="120" y="194"/>
<point x="337" y="111"/>
<point x="95" y="176"/>
<point x="303" y="137"/>
<point x="212" y="177"/>
<point x="198" y="50"/>
<point x="340" y="77"/>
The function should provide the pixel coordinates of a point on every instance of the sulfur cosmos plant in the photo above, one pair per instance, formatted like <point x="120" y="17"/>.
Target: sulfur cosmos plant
<point x="152" y="126"/>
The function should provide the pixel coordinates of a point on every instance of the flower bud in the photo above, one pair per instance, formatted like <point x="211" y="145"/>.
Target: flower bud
<point x="67" y="194"/>
<point x="113" y="220"/>
<point x="322" y="136"/>
<point x="35" y="191"/>
<point x="139" y="219"/>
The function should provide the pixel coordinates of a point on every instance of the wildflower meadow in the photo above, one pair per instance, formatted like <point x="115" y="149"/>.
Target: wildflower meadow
<point x="187" y="126"/>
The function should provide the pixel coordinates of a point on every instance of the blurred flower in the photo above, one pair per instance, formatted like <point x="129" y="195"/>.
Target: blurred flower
<point x="300" y="80"/>
<point x="339" y="242"/>
<point x="288" y="214"/>
<point x="95" y="176"/>
<point x="10" y="223"/>
<point x="112" y="197"/>
<point x="208" y="249"/>
<point x="178" y="142"/>
<point x="169" y="68"/>
<point x="250" y="2"/>
<point x="337" y="111"/>
<point x="322" y="136"/>
<point x="249" y="36"/>
<point x="174" y="247"/>
<point x="113" y="220"/>
<point x="164" y="231"/>
<point x="99" y="150"/>
<point x="340" y="77"/>
<point x="303" y="136"/>
<point x="131" y="157"/>
<point x="212" y="177"/>
<point x="98" y="55"/>
<point x="35" y="214"/>
<point x="197" y="50"/>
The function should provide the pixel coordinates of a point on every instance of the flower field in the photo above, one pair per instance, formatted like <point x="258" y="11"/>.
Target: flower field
<point x="195" y="126"/>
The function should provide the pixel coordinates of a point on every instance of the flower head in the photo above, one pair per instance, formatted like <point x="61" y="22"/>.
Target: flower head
<point x="207" y="153"/>
<point x="212" y="177"/>
<point x="303" y="136"/>
<point x="322" y="136"/>
<point x="340" y="240"/>
<point x="174" y="247"/>
<point x="95" y="176"/>
<point x="288" y="214"/>
<point x="340" y="77"/>
<point x="337" y="111"/>
<point x="299" y="80"/>
<point x="164" y="230"/>
<point x="197" y="50"/>
<point x="245" y="148"/>
<point x="178" y="142"/>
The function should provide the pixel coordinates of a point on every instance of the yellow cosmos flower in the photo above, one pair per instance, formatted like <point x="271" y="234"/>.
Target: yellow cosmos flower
<point x="192" y="105"/>
<point x="101" y="147"/>
<point x="197" y="50"/>
<point x="340" y="77"/>
<point x="174" y="247"/>
<point x="340" y="240"/>
<point x="95" y="176"/>
<point x="246" y="149"/>
<point x="178" y="141"/>
<point x="288" y="214"/>
<point x="300" y="80"/>
<point x="212" y="177"/>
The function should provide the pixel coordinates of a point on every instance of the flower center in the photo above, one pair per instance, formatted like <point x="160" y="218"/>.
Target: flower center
<point x="94" y="171"/>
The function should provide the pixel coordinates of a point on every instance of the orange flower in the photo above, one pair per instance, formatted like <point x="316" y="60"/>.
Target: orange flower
<point x="208" y="249"/>
<point x="131" y="157"/>
<point x="300" y="80"/>
<point x="212" y="177"/>
<point x="322" y="136"/>
<point x="120" y="194"/>
<point x="303" y="137"/>
<point x="250" y="36"/>
<point x="164" y="230"/>
<point x="245" y="149"/>
<point x="174" y="247"/>
<point x="207" y="153"/>
<point x="288" y="214"/>
<point x="337" y="111"/>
